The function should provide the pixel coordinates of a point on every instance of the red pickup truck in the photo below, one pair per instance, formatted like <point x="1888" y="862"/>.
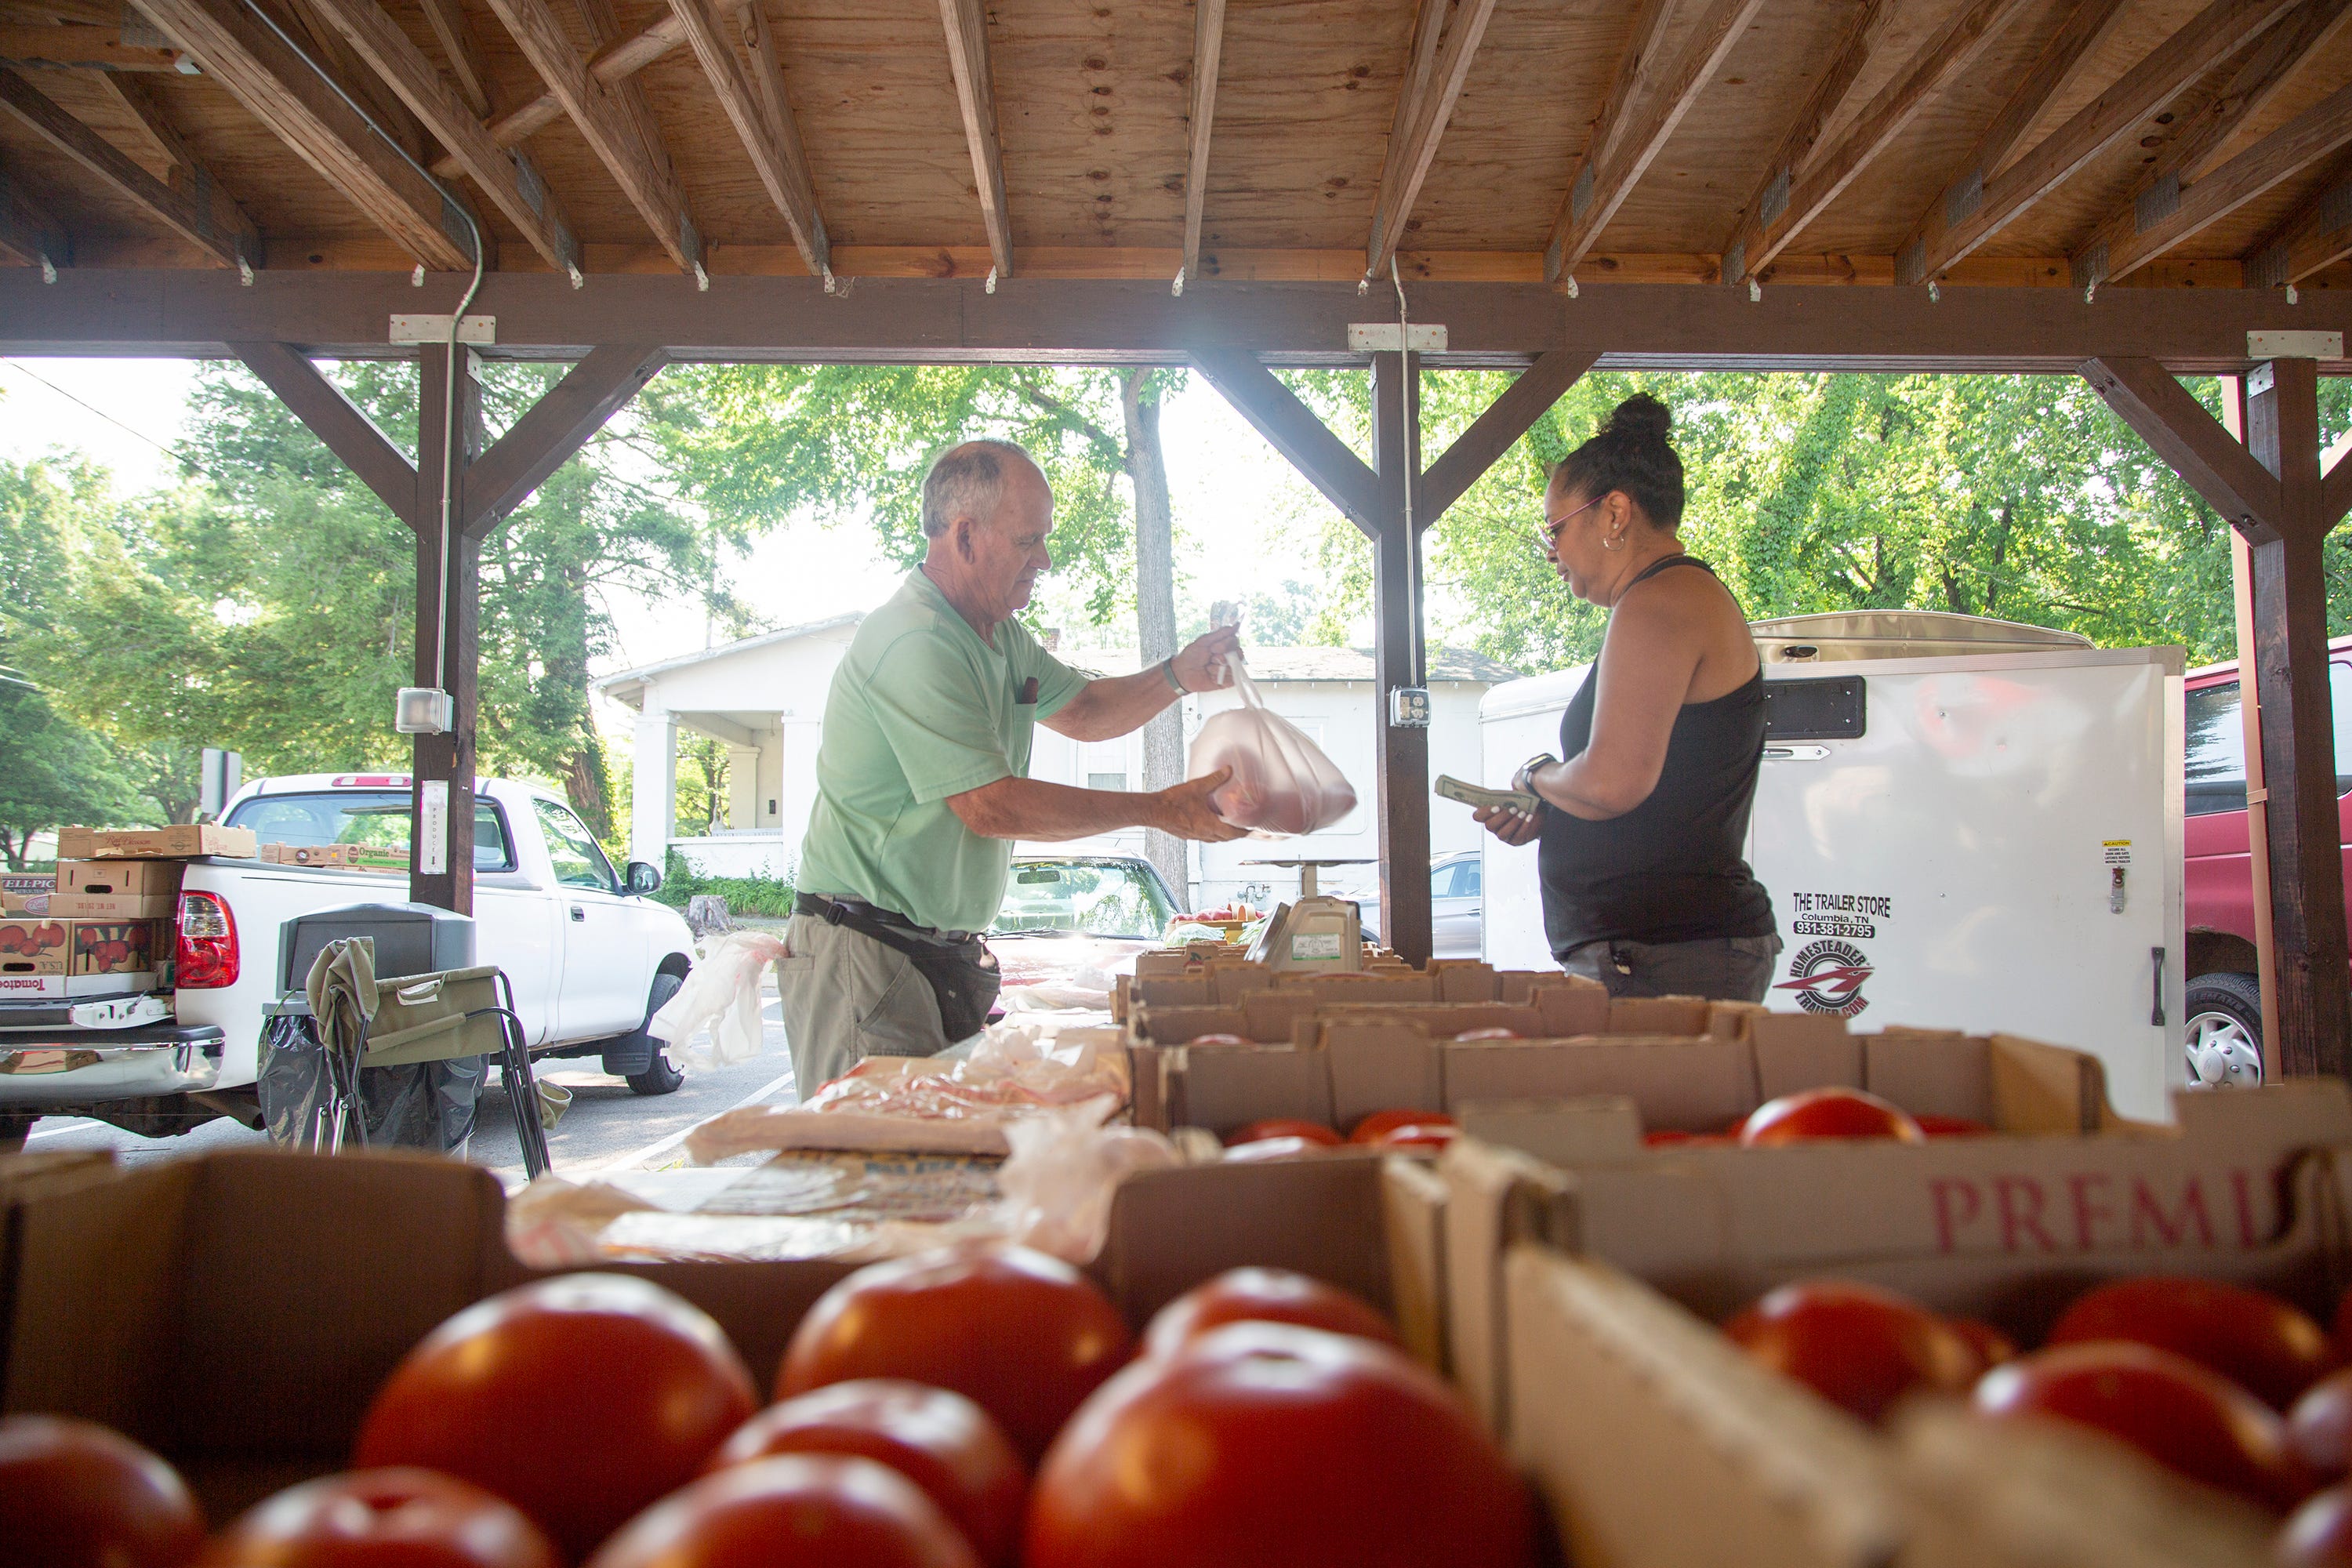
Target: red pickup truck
<point x="2225" y="999"/>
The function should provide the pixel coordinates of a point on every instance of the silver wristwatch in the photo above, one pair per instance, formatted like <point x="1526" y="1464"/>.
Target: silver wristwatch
<point x="1523" y="780"/>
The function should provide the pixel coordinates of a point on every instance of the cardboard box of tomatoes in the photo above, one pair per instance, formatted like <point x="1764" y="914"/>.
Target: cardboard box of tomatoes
<point x="109" y="956"/>
<point x="262" y="1320"/>
<point x="116" y="890"/>
<point x="1603" y="1283"/>
<point x="183" y="842"/>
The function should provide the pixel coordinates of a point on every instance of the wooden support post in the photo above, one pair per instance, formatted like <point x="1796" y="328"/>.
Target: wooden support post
<point x="448" y="623"/>
<point x="2250" y="715"/>
<point x="1399" y="658"/>
<point x="2315" y="973"/>
<point x="339" y="424"/>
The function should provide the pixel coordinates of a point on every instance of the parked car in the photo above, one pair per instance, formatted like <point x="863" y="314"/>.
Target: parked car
<point x="1069" y="921"/>
<point x="2224" y="1030"/>
<point x="589" y="955"/>
<point x="1457" y="906"/>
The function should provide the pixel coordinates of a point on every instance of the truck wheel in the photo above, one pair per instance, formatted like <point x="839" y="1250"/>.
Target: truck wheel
<point x="2224" y="1037"/>
<point x="660" y="1077"/>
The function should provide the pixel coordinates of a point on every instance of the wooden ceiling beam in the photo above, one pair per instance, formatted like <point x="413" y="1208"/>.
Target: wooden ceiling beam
<point x="28" y="233"/>
<point x="966" y="25"/>
<point x="2318" y="236"/>
<point x="2212" y="462"/>
<point x="1208" y="54"/>
<point x="2086" y="26"/>
<point x="756" y="105"/>
<point x="1952" y="50"/>
<point x="553" y="429"/>
<point x="2306" y="35"/>
<point x="2167" y="212"/>
<point x="1638" y="64"/>
<point x="79" y="46"/>
<point x="1600" y="186"/>
<point x="1293" y="429"/>
<point x="1423" y="114"/>
<point x="509" y="179"/>
<point x="617" y="125"/>
<point x="341" y="425"/>
<point x="462" y="51"/>
<point x="260" y="71"/>
<point x="2208" y="40"/>
<point x="616" y="61"/>
<point x="1796" y="152"/>
<point x="1494" y="432"/>
<point x="199" y="211"/>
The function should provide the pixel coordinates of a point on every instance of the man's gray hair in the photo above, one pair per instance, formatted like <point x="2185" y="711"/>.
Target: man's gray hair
<point x="966" y="480"/>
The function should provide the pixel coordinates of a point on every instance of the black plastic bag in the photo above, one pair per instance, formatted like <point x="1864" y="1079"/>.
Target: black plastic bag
<point x="424" y="1105"/>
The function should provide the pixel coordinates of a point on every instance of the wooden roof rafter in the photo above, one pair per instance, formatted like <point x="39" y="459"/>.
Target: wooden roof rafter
<point x="1973" y="214"/>
<point x="510" y="181"/>
<point x="2165" y="214"/>
<point x="461" y="52"/>
<point x="196" y="209"/>
<point x="29" y="232"/>
<point x="617" y="122"/>
<point x="966" y="25"/>
<point x="750" y="90"/>
<point x="2316" y="236"/>
<point x="1434" y="84"/>
<point x="1208" y="57"/>
<point x="1936" y="63"/>
<point x="1622" y="155"/>
<point x="263" y="72"/>
<point x="79" y="46"/>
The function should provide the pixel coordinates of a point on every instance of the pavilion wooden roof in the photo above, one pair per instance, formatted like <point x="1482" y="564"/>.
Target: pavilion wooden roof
<point x="2181" y="143"/>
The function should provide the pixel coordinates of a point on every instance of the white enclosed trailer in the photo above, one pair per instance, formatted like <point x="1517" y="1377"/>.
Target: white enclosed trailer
<point x="1963" y="823"/>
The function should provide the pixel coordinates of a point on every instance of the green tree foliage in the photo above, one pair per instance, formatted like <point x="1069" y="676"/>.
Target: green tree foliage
<point x="767" y="442"/>
<point x="271" y="609"/>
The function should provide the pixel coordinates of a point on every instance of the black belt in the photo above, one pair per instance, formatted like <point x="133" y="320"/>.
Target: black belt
<point x="957" y="964"/>
<point x="838" y="911"/>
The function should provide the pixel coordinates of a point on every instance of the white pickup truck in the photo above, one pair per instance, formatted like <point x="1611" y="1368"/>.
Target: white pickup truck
<point x="590" y="956"/>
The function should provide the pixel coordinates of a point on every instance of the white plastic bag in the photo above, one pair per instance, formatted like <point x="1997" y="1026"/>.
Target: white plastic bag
<point x="722" y="995"/>
<point x="1064" y="1169"/>
<point x="1281" y="784"/>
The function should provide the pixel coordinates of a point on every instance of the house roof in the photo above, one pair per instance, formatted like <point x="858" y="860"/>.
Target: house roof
<point x="612" y="685"/>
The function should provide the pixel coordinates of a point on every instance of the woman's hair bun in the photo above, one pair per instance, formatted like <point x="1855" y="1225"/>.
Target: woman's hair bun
<point x="1640" y="417"/>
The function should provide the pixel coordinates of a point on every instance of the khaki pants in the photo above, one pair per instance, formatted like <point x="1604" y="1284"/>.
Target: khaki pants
<point x="847" y="997"/>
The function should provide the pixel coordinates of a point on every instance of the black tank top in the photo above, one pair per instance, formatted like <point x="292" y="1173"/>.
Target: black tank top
<point x="1671" y="869"/>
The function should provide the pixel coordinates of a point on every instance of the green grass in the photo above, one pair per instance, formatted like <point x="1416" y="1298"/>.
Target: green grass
<point x="767" y="896"/>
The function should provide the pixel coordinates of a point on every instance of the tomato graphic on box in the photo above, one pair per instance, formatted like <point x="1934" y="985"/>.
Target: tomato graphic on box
<point x="113" y="947"/>
<point x="32" y="947"/>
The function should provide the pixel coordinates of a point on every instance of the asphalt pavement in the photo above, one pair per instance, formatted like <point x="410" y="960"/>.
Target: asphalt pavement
<point x="609" y="1126"/>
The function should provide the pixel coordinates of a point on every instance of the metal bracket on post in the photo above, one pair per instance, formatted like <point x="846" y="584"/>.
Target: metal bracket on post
<point x="2293" y="345"/>
<point x="1389" y="337"/>
<point x="419" y="328"/>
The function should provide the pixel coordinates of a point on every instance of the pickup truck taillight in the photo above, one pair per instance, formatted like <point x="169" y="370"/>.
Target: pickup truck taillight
<point x="207" y="958"/>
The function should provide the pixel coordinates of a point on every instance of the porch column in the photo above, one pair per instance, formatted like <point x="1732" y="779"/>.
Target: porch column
<point x="653" y="799"/>
<point x="744" y="787"/>
<point x="1399" y="658"/>
<point x="448" y="652"/>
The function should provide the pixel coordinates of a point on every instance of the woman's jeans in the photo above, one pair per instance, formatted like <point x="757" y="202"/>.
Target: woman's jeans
<point x="1721" y="969"/>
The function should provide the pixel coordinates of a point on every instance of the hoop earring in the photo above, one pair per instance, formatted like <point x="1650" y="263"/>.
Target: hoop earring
<point x="1616" y="543"/>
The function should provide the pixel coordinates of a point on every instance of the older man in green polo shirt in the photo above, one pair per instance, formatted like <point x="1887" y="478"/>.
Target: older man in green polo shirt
<point x="922" y="776"/>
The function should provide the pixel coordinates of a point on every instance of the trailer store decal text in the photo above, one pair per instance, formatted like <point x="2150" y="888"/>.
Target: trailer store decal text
<point x="1849" y="915"/>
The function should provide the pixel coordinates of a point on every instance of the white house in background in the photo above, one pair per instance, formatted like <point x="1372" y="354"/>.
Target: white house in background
<point x="764" y="698"/>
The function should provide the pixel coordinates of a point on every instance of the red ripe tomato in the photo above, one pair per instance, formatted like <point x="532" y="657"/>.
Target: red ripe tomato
<point x="2340" y="1328"/>
<point x="383" y="1519"/>
<point x="1992" y="1347"/>
<point x="1264" y="1296"/>
<point x="2318" y="1534"/>
<point x="2251" y="1337"/>
<point x="74" y="1494"/>
<point x="1418" y="1135"/>
<point x="940" y="1440"/>
<point x="1670" y="1138"/>
<point x="1859" y="1347"/>
<point x="1024" y="1335"/>
<point x="1263" y="1442"/>
<point x="1374" y="1128"/>
<point x="579" y="1399"/>
<point x="2320" y="1425"/>
<point x="1936" y="1126"/>
<point x="2180" y="1415"/>
<point x="802" y="1510"/>
<point x="1282" y="1127"/>
<point x="1827" y="1114"/>
<point x="1259" y="1150"/>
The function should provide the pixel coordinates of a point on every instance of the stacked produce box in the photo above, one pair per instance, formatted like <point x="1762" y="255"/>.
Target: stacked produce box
<point x="1575" y="1212"/>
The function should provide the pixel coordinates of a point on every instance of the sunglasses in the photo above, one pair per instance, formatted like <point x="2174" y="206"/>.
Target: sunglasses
<point x="1551" y="532"/>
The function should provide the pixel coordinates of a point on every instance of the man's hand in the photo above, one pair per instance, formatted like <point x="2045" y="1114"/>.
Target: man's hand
<point x="1510" y="825"/>
<point x="1185" y="810"/>
<point x="1202" y="666"/>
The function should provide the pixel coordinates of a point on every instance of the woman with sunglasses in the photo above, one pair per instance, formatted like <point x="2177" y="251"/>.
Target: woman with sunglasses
<point x="1641" y="826"/>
